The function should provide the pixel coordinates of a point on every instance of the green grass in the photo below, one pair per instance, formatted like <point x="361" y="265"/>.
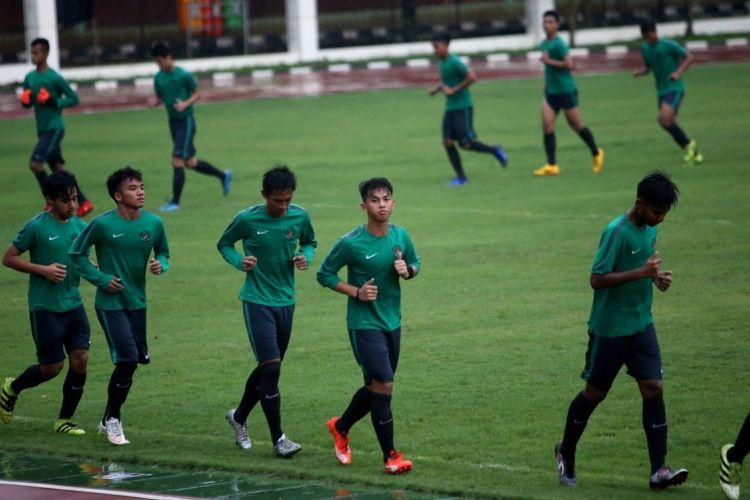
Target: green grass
<point x="494" y="327"/>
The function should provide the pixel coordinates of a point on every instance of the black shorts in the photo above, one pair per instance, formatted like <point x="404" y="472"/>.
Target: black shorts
<point x="183" y="133"/>
<point x="48" y="147"/>
<point x="376" y="352"/>
<point x="562" y="101"/>
<point x="458" y="125"/>
<point x="55" y="331"/>
<point x="606" y="355"/>
<point x="671" y="99"/>
<point x="126" y="334"/>
<point x="269" y="329"/>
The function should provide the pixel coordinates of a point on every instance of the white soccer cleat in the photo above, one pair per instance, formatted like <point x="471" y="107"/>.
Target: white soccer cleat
<point x="112" y="429"/>
<point x="240" y="431"/>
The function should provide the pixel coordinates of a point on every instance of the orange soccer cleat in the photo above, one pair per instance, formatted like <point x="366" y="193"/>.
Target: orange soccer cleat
<point x="397" y="464"/>
<point x="340" y="443"/>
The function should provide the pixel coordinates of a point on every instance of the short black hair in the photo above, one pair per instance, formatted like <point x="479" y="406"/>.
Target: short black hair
<point x="648" y="26"/>
<point x="443" y="37"/>
<point x="160" y="49"/>
<point x="41" y="41"/>
<point x="367" y="187"/>
<point x="279" y="178"/>
<point x="121" y="175"/>
<point x="59" y="185"/>
<point x="552" y="13"/>
<point x="657" y="189"/>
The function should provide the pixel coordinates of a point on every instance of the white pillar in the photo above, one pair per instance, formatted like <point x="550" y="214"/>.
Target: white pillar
<point x="302" y="28"/>
<point x="40" y="20"/>
<point x="534" y="10"/>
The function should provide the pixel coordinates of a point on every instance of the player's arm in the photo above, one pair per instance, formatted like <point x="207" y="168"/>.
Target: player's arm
<point x="25" y="96"/>
<point x="643" y="70"/>
<point x="79" y="256"/>
<point x="307" y="245"/>
<point x="159" y="263"/>
<point x="407" y="263"/>
<point x="68" y="96"/>
<point x="566" y="63"/>
<point x="685" y="63"/>
<point x="192" y="86"/>
<point x="54" y="272"/>
<point x="469" y="78"/>
<point x="233" y="233"/>
<point x="650" y="269"/>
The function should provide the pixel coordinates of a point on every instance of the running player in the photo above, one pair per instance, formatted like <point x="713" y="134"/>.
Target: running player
<point x="668" y="60"/>
<point x="377" y="255"/>
<point x="458" y="119"/>
<point x="732" y="456"/>
<point x="270" y="234"/>
<point x="561" y="92"/>
<point x="48" y="93"/>
<point x="621" y="329"/>
<point x="58" y="321"/>
<point x="124" y="239"/>
<point x="177" y="89"/>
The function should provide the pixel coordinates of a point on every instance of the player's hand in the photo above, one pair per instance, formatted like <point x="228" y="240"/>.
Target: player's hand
<point x="180" y="106"/>
<point x="637" y="73"/>
<point x="448" y="90"/>
<point x="400" y="265"/>
<point x="436" y="90"/>
<point x="115" y="286"/>
<point x="248" y="263"/>
<point x="25" y="98"/>
<point x="544" y="58"/>
<point x="651" y="267"/>
<point x="153" y="101"/>
<point x="368" y="292"/>
<point x="663" y="280"/>
<point x="674" y="76"/>
<point x="42" y="96"/>
<point x="154" y="266"/>
<point x="55" y="272"/>
<point x="300" y="262"/>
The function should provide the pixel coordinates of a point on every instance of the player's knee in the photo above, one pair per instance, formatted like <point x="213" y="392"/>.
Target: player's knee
<point x="381" y="387"/>
<point x="465" y="145"/>
<point x="664" y="120"/>
<point x="51" y="370"/>
<point x="271" y="372"/>
<point x="191" y="162"/>
<point x="652" y="390"/>
<point x="36" y="166"/>
<point x="124" y="371"/>
<point x="447" y="143"/>
<point x="593" y="394"/>
<point x="79" y="360"/>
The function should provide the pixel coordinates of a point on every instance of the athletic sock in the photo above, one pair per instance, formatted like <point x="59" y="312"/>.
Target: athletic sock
<point x="455" y="160"/>
<point x="382" y="421"/>
<point x="742" y="445"/>
<point x="678" y="135"/>
<point x="550" y="144"/>
<point x="655" y="425"/>
<point x="31" y="377"/>
<point x="588" y="138"/>
<point x="119" y="388"/>
<point x="578" y="416"/>
<point x="72" y="392"/>
<point x="178" y="182"/>
<point x="41" y="176"/>
<point x="207" y="169"/>
<point x="249" y="398"/>
<point x="481" y="147"/>
<point x="358" y="407"/>
<point x="270" y="398"/>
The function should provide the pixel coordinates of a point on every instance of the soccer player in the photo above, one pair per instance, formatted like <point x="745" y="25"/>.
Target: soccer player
<point x="377" y="255"/>
<point x="177" y="89"/>
<point x="732" y="456"/>
<point x="58" y="320"/>
<point x="48" y="93"/>
<point x="124" y="239"/>
<point x="561" y="92"/>
<point x="459" y="109"/>
<point x="277" y="237"/>
<point x="668" y="60"/>
<point x="621" y="329"/>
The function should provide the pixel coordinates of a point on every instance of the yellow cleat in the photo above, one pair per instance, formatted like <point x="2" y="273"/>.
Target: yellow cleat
<point x="691" y="153"/>
<point x="598" y="161"/>
<point x="547" y="170"/>
<point x="65" y="426"/>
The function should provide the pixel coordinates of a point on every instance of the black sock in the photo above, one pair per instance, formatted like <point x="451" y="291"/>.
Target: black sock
<point x="119" y="388"/>
<point x="382" y="421"/>
<point x="41" y="176"/>
<point x="588" y="138"/>
<point x="455" y="159"/>
<point x="270" y="398"/>
<point x="578" y="416"/>
<point x="678" y="135"/>
<point x="31" y="377"/>
<point x="550" y="144"/>
<point x="655" y="425"/>
<point x="207" y="169"/>
<point x="742" y="444"/>
<point x="481" y="147"/>
<point x="249" y="398"/>
<point x="178" y="181"/>
<point x="358" y="407"/>
<point x="72" y="392"/>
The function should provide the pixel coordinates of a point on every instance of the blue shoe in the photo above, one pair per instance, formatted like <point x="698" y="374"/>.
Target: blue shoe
<point x="501" y="155"/>
<point x="458" y="181"/>
<point x="226" y="184"/>
<point x="169" y="207"/>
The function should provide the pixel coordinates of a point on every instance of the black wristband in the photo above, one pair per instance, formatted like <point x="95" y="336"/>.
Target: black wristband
<point x="410" y="270"/>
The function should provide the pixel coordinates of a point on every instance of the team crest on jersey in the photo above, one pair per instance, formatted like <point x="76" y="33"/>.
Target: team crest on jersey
<point x="397" y="252"/>
<point x="290" y="233"/>
<point x="145" y="236"/>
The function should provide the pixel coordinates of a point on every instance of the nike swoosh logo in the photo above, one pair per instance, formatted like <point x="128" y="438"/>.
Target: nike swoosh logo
<point x="380" y="422"/>
<point x="261" y="232"/>
<point x="51" y="238"/>
<point x="633" y="252"/>
<point x="115" y="235"/>
<point x="368" y="257"/>
<point x="271" y="396"/>
<point x="658" y="426"/>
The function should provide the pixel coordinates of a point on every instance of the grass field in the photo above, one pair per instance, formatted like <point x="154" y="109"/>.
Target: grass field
<point x="495" y="325"/>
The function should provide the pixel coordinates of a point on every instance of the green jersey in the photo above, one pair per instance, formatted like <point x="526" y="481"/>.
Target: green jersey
<point x="624" y="309"/>
<point x="47" y="240"/>
<point x="368" y="256"/>
<point x="273" y="241"/>
<point x="663" y="58"/>
<point x="49" y="117"/>
<point x="452" y="72"/>
<point x="123" y="248"/>
<point x="557" y="80"/>
<point x="173" y="86"/>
